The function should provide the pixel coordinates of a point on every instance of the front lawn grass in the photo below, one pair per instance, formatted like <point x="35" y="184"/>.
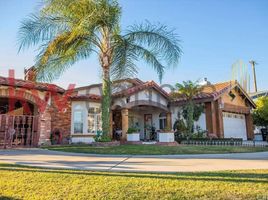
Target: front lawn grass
<point x="155" y="150"/>
<point x="17" y="182"/>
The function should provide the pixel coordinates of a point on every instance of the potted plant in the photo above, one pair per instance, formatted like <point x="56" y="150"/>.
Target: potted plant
<point x="166" y="135"/>
<point x="133" y="134"/>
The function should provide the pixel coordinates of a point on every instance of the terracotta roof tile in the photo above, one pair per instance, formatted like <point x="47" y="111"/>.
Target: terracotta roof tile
<point x="210" y="91"/>
<point x="86" y="97"/>
<point x="30" y="84"/>
<point x="145" y="85"/>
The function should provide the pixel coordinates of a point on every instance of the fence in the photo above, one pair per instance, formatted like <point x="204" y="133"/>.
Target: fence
<point x="19" y="131"/>
<point x="227" y="142"/>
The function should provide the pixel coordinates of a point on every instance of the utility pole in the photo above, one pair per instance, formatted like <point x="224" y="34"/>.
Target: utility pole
<point x="253" y="63"/>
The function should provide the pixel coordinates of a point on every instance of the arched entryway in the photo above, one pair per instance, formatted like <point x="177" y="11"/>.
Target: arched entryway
<point x="19" y="119"/>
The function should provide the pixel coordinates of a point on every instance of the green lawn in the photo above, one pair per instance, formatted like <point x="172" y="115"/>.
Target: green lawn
<point x="155" y="150"/>
<point x="17" y="182"/>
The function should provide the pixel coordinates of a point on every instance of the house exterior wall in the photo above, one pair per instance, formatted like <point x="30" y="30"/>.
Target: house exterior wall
<point x="238" y="100"/>
<point x="94" y="90"/>
<point x="201" y="122"/>
<point x="145" y="95"/>
<point x="82" y="106"/>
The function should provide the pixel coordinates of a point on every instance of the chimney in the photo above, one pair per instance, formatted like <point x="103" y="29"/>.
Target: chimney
<point x="30" y="74"/>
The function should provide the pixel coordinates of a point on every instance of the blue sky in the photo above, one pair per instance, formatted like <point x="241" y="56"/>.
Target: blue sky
<point x="214" y="35"/>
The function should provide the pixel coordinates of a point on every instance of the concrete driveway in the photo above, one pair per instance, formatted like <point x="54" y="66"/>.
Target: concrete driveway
<point x="167" y="163"/>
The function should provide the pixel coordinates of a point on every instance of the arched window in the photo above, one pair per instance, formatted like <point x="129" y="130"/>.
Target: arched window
<point x="78" y="118"/>
<point x="162" y="120"/>
<point x="94" y="119"/>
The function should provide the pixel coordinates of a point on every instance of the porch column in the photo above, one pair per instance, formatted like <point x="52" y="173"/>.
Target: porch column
<point x="211" y="121"/>
<point x="124" y="113"/>
<point x="169" y="125"/>
<point x="249" y="125"/>
<point x="220" y="131"/>
<point x="111" y="124"/>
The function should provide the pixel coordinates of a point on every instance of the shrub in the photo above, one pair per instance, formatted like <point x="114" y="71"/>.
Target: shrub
<point x="132" y="130"/>
<point x="102" y="138"/>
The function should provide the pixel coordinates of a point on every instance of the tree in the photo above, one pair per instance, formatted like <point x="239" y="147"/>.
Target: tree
<point x="260" y="114"/>
<point x="188" y="90"/>
<point x="68" y="31"/>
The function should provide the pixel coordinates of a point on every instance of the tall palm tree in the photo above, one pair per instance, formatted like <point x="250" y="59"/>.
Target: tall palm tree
<point x="188" y="90"/>
<point x="70" y="30"/>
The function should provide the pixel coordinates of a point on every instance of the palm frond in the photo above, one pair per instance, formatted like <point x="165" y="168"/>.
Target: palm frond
<point x="36" y="29"/>
<point x="158" y="38"/>
<point x="123" y="61"/>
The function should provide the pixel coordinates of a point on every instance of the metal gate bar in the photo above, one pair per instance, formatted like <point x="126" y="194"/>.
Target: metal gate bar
<point x="19" y="131"/>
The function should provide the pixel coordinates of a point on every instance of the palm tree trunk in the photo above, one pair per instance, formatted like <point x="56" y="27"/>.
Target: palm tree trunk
<point x="106" y="98"/>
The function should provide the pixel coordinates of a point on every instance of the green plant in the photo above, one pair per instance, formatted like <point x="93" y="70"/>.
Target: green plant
<point x="188" y="90"/>
<point x="260" y="114"/>
<point x="52" y="139"/>
<point x="199" y="133"/>
<point x="132" y="130"/>
<point x="69" y="31"/>
<point x="101" y="138"/>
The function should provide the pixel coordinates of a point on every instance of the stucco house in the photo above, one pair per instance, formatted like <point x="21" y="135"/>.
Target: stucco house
<point x="31" y="111"/>
<point x="227" y="110"/>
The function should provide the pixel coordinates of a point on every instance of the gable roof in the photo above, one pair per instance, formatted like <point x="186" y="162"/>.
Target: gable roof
<point x="30" y="85"/>
<point x="134" y="81"/>
<point x="140" y="87"/>
<point x="214" y="91"/>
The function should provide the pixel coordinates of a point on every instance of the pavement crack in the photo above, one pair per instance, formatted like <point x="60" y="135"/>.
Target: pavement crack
<point x="119" y="163"/>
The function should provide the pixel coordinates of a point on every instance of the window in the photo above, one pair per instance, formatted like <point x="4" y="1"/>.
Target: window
<point x="78" y="121"/>
<point x="162" y="121"/>
<point x="94" y="120"/>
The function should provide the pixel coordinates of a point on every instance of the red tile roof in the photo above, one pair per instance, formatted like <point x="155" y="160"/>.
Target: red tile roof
<point x="30" y="85"/>
<point x="209" y="92"/>
<point x="93" y="97"/>
<point x="140" y="87"/>
<point x="213" y="91"/>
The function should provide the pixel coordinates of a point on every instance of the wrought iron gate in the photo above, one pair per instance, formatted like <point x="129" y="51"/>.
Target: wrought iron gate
<point x="19" y="131"/>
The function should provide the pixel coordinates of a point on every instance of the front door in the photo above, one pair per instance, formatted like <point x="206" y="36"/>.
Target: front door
<point x="148" y="122"/>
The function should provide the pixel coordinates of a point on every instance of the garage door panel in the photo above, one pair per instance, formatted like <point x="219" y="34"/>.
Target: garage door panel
<point x="234" y="126"/>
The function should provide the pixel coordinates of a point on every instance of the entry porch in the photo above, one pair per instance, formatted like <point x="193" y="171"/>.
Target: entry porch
<point x="148" y="120"/>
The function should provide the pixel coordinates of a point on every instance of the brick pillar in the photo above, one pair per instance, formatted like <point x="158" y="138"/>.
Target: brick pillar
<point x="250" y="128"/>
<point x="124" y="113"/>
<point x="169" y="126"/>
<point x="45" y="128"/>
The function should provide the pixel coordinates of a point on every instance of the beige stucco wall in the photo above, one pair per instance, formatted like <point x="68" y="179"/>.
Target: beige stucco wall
<point x="83" y="106"/>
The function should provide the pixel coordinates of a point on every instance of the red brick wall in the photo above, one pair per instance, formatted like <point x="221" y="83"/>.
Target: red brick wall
<point x="61" y="119"/>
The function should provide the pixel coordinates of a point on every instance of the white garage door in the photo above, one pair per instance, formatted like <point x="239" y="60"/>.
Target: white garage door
<point x="234" y="126"/>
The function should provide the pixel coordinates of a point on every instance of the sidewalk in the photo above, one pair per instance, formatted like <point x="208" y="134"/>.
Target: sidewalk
<point x="150" y="163"/>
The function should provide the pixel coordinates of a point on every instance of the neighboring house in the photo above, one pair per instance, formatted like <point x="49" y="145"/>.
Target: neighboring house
<point x="256" y="95"/>
<point x="227" y="110"/>
<point x="30" y="110"/>
<point x="76" y="114"/>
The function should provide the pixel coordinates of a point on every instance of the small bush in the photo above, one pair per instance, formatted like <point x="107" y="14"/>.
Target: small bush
<point x="102" y="138"/>
<point x="132" y="130"/>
